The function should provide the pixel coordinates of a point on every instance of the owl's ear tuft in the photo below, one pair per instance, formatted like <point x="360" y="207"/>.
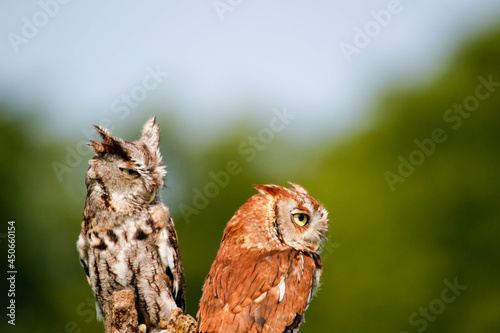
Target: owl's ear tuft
<point x="106" y="135"/>
<point x="298" y="188"/>
<point x="269" y="191"/>
<point x="151" y="133"/>
<point x="110" y="144"/>
<point x="97" y="147"/>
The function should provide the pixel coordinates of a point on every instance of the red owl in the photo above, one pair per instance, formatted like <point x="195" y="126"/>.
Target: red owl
<point x="268" y="265"/>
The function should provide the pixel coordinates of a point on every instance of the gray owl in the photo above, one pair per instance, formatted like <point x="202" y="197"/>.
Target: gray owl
<point x="128" y="240"/>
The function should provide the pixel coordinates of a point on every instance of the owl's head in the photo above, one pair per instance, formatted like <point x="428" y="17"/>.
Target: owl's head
<point x="286" y="217"/>
<point x="127" y="174"/>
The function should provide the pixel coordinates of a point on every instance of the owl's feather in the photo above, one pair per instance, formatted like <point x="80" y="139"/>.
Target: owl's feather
<point x="253" y="291"/>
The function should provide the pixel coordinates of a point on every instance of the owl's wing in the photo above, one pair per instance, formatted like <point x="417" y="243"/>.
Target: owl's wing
<point x="258" y="292"/>
<point x="83" y="252"/>
<point x="168" y="249"/>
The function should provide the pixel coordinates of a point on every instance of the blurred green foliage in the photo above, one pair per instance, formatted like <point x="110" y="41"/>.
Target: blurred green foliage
<point x="391" y="245"/>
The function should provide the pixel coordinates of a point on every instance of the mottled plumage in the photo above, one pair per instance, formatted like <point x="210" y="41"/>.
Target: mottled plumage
<point x="268" y="264"/>
<point x="128" y="240"/>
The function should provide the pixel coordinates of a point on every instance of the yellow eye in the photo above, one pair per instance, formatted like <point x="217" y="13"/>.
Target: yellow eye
<point x="153" y="196"/>
<point x="129" y="172"/>
<point x="300" y="219"/>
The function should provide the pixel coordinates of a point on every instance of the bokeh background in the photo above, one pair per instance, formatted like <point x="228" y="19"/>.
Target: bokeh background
<point x="393" y="125"/>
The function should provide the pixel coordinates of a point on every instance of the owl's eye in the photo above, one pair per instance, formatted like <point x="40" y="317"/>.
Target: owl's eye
<point x="153" y="196"/>
<point x="129" y="172"/>
<point x="300" y="219"/>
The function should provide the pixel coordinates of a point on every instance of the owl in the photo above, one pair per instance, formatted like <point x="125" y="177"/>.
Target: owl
<point x="128" y="240"/>
<point x="268" y="265"/>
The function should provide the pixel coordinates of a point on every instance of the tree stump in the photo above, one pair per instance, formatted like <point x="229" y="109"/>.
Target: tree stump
<point x="121" y="317"/>
<point x="120" y="313"/>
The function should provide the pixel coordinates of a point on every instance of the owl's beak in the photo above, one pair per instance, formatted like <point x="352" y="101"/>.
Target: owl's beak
<point x="153" y="195"/>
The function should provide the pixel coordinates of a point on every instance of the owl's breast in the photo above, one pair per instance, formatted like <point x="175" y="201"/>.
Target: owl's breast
<point x="122" y="251"/>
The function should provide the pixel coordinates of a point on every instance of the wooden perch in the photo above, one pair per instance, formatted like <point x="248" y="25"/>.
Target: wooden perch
<point x="121" y="317"/>
<point x="121" y="314"/>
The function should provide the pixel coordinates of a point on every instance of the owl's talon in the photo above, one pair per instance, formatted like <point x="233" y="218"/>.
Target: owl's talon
<point x="142" y="328"/>
<point x="163" y="324"/>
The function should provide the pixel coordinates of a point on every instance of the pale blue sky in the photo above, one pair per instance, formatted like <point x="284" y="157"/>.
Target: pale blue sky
<point x="87" y="54"/>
